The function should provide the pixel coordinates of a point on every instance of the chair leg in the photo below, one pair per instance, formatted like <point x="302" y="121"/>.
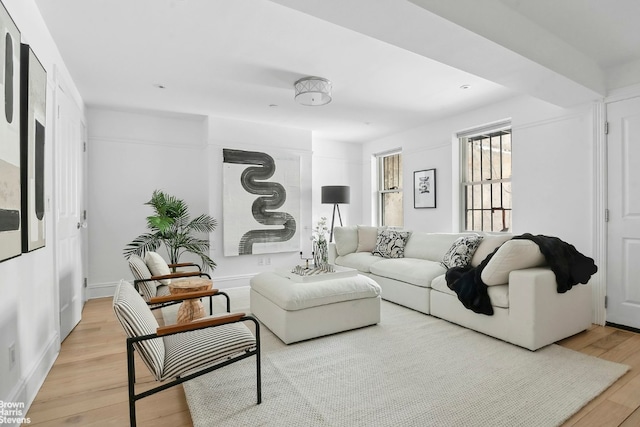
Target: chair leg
<point x="259" y="379"/>
<point x="131" y="383"/>
<point x="258" y="362"/>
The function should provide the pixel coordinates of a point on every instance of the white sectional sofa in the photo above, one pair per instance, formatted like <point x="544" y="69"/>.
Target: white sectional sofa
<point x="527" y="309"/>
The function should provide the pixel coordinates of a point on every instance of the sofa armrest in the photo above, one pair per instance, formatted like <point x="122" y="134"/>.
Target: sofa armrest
<point x="333" y="253"/>
<point x="538" y="314"/>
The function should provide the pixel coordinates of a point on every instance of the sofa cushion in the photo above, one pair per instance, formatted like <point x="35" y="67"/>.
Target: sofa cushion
<point x="291" y="296"/>
<point x="431" y="246"/>
<point x="499" y="295"/>
<point x="346" y="239"/>
<point x="461" y="252"/>
<point x="361" y="261"/>
<point x="419" y="272"/>
<point x="367" y="237"/>
<point x="512" y="255"/>
<point x="489" y="244"/>
<point x="391" y="243"/>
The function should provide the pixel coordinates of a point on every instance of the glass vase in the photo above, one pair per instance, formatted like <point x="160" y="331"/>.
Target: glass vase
<point x="320" y="253"/>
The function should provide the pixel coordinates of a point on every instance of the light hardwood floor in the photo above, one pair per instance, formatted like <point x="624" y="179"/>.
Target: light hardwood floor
<point x="87" y="384"/>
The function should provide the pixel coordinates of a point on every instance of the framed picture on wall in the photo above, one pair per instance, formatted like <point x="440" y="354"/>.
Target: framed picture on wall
<point x="260" y="202"/>
<point x="10" y="190"/>
<point x="424" y="189"/>
<point x="33" y="112"/>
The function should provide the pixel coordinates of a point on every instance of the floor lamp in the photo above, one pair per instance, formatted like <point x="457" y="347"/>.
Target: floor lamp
<point x="335" y="194"/>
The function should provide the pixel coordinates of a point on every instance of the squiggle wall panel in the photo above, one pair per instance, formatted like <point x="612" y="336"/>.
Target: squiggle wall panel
<point x="261" y="199"/>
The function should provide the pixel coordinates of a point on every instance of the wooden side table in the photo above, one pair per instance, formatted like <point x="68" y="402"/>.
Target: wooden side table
<point x="191" y="309"/>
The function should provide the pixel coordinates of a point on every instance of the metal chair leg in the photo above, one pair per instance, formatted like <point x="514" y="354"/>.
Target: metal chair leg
<point x="131" y="373"/>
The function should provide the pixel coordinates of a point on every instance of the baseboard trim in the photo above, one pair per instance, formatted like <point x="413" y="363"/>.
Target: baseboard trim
<point x="27" y="388"/>
<point x="101" y="290"/>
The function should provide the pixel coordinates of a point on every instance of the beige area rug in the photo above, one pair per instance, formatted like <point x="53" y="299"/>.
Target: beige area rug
<point x="409" y="370"/>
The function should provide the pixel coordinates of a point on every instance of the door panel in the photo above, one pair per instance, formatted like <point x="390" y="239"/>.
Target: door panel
<point x="623" y="281"/>
<point x="69" y="204"/>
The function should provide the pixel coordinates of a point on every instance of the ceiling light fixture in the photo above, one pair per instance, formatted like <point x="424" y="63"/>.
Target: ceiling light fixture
<point x="313" y="91"/>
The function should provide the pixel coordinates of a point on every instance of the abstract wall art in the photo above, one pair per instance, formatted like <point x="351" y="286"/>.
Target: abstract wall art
<point x="33" y="114"/>
<point x="261" y="202"/>
<point x="10" y="194"/>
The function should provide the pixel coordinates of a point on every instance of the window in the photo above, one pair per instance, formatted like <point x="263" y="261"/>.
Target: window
<point x="486" y="180"/>
<point x="390" y="210"/>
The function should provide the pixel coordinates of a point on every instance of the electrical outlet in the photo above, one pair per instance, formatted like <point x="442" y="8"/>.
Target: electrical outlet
<point x="12" y="355"/>
<point x="260" y="261"/>
<point x="267" y="261"/>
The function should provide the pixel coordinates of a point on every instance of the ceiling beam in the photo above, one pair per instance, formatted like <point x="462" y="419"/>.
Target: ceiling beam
<point x="506" y="49"/>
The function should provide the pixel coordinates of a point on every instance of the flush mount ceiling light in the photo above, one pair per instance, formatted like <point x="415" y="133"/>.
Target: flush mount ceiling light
<point x="313" y="91"/>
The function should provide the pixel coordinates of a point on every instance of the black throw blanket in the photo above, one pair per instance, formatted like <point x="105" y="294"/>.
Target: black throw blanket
<point x="569" y="266"/>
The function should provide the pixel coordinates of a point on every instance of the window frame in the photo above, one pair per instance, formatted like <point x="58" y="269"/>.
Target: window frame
<point x="463" y="138"/>
<point x="380" y="186"/>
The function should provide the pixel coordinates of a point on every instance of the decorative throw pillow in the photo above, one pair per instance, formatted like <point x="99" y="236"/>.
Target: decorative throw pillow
<point x="367" y="237"/>
<point x="461" y="252"/>
<point x="512" y="255"/>
<point x="391" y="243"/>
<point x="157" y="266"/>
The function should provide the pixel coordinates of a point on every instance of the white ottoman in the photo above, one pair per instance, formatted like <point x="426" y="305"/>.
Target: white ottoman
<point x="299" y="311"/>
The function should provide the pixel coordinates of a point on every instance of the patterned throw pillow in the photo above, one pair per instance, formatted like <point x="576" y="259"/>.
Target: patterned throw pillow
<point x="391" y="243"/>
<point x="461" y="252"/>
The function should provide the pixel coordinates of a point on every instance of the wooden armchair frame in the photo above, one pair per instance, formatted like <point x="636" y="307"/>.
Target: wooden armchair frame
<point x="167" y="300"/>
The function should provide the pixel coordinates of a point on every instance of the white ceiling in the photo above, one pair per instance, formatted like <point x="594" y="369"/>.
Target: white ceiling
<point x="394" y="64"/>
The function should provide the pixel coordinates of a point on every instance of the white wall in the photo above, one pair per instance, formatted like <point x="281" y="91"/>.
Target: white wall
<point x="337" y="163"/>
<point x="552" y="169"/>
<point x="224" y="133"/>
<point x="28" y="285"/>
<point x="131" y="154"/>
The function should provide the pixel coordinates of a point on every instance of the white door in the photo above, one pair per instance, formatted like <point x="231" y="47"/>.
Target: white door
<point x="623" y="281"/>
<point x="69" y="164"/>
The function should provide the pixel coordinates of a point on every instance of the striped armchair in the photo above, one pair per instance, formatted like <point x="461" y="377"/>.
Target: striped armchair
<point x="177" y="352"/>
<point x="154" y="288"/>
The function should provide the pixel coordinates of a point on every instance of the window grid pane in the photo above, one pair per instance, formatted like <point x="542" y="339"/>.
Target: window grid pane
<point x="390" y="191"/>
<point x="486" y="182"/>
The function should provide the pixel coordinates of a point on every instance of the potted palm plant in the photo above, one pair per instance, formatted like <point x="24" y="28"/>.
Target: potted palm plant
<point x="172" y="226"/>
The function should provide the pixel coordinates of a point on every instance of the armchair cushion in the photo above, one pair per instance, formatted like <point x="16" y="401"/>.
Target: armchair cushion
<point x="137" y="320"/>
<point x="204" y="347"/>
<point x="140" y="271"/>
<point x="157" y="266"/>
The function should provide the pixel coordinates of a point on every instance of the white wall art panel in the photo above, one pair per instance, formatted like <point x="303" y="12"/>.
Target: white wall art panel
<point x="10" y="190"/>
<point x="261" y="202"/>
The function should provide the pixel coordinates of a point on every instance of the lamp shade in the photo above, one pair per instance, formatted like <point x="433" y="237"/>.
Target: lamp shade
<point x="336" y="194"/>
<point x="313" y="91"/>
